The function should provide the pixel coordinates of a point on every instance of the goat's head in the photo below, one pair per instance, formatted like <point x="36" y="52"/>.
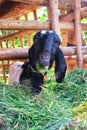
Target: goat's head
<point x="45" y="44"/>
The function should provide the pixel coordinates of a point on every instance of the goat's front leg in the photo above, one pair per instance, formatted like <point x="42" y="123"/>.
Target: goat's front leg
<point x="37" y="80"/>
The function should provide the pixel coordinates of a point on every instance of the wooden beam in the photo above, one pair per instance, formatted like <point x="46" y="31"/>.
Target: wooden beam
<point x="54" y="16"/>
<point x="78" y="33"/>
<point x="63" y="4"/>
<point x="22" y="53"/>
<point x="14" y="10"/>
<point x="21" y="25"/>
<point x="18" y="53"/>
<point x="69" y="17"/>
<point x="32" y="2"/>
<point x="2" y="1"/>
<point x="31" y="25"/>
<point x="70" y="51"/>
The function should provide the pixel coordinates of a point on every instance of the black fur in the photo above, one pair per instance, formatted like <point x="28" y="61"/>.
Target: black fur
<point x="44" y="51"/>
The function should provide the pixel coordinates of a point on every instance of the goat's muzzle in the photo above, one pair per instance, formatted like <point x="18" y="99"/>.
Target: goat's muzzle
<point x="44" y="59"/>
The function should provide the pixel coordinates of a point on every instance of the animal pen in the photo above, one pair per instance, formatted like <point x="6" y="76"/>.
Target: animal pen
<point x="63" y="16"/>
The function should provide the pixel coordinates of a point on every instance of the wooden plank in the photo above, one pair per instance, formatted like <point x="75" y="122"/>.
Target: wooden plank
<point x="31" y="25"/>
<point x="63" y="4"/>
<point x="14" y="10"/>
<point x="19" y="53"/>
<point x="2" y="1"/>
<point x="22" y="53"/>
<point x="21" y="25"/>
<point x="69" y="17"/>
<point x="32" y="2"/>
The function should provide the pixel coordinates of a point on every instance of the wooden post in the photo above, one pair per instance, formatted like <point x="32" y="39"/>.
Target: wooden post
<point x="26" y="16"/>
<point x="35" y="15"/>
<point x="78" y="33"/>
<point x="13" y="44"/>
<point x="48" y="12"/>
<point x="29" y="40"/>
<point x="3" y="68"/>
<point x="54" y="15"/>
<point x="21" y="42"/>
<point x="64" y="38"/>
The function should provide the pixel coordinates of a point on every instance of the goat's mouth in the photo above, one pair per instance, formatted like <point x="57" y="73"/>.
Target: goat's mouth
<point x="43" y="63"/>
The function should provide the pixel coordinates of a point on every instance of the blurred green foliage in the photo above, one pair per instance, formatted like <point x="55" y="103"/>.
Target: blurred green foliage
<point x="84" y="33"/>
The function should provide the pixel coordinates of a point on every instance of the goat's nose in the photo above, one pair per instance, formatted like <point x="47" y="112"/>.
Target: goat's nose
<point x="44" y="56"/>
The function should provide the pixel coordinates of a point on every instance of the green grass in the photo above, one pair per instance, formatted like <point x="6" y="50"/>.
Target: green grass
<point x="58" y="107"/>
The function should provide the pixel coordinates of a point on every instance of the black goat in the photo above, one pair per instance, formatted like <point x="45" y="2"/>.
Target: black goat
<point x="44" y="52"/>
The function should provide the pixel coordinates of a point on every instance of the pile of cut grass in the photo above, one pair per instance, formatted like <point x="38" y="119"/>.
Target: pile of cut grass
<point x="58" y="107"/>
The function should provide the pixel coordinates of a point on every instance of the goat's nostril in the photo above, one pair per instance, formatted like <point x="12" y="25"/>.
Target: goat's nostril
<point x="44" y="57"/>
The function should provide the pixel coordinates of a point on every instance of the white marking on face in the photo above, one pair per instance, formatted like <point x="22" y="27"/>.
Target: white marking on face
<point x="50" y="31"/>
<point x="43" y="31"/>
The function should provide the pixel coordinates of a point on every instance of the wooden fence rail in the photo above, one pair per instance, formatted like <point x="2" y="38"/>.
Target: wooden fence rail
<point x="31" y="25"/>
<point x="22" y="53"/>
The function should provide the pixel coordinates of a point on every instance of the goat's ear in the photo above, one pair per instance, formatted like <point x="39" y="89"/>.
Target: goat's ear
<point x="31" y="52"/>
<point x="57" y="39"/>
<point x="32" y="56"/>
<point x="60" y="66"/>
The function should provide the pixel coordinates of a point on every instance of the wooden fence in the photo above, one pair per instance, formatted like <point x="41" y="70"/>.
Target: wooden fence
<point x="16" y="35"/>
